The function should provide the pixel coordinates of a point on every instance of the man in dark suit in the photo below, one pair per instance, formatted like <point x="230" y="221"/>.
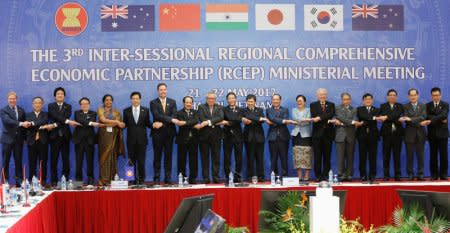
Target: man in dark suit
<point x="210" y="115"/>
<point x="13" y="133"/>
<point x="84" y="138"/>
<point x="137" y="120"/>
<point x="368" y="136"/>
<point x="59" y="113"/>
<point x="322" y="112"/>
<point x="37" y="140"/>
<point x="437" y="115"/>
<point x="233" y="138"/>
<point x="187" y="139"/>
<point x="278" y="135"/>
<point x="253" y="118"/>
<point x="392" y="133"/>
<point x="414" y="116"/>
<point x="163" y="110"/>
<point x="346" y="122"/>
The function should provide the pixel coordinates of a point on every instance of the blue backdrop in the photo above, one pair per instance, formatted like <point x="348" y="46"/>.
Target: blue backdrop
<point x="28" y="29"/>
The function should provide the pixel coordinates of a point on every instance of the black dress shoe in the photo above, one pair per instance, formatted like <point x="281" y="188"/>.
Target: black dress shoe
<point x="420" y="178"/>
<point x="434" y="178"/>
<point x="168" y="182"/>
<point x="397" y="178"/>
<point x="411" y="177"/>
<point x="386" y="178"/>
<point x="192" y="181"/>
<point x="206" y="181"/>
<point x="363" y="178"/>
<point x="445" y="178"/>
<point x="90" y="181"/>
<point x="216" y="181"/>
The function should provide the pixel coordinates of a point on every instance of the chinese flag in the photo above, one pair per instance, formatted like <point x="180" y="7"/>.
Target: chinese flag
<point x="179" y="17"/>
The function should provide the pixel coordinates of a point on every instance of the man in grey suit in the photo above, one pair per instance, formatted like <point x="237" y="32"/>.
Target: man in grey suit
<point x="346" y="122"/>
<point x="415" y="115"/>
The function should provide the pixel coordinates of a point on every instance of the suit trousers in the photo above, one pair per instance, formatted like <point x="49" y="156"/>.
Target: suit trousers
<point x="255" y="154"/>
<point x="136" y="153"/>
<point x="438" y="154"/>
<point x="392" y="146"/>
<point x="416" y="148"/>
<point x="16" y="150"/>
<point x="188" y="151"/>
<point x="345" y="152"/>
<point x="322" y="157"/>
<point x="228" y="147"/>
<point x="84" y="149"/>
<point x="37" y="154"/>
<point x="210" y="150"/>
<point x="161" y="145"/>
<point x="279" y="151"/>
<point x="59" y="146"/>
<point x="368" y="152"/>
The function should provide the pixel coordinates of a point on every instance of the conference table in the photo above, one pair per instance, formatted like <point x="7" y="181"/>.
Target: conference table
<point x="150" y="210"/>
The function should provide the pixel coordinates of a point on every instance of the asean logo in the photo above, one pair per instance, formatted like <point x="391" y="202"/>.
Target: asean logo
<point x="71" y="19"/>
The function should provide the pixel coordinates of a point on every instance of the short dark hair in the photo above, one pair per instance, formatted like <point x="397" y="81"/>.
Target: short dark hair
<point x="37" y="97"/>
<point x="390" y="91"/>
<point x="135" y="93"/>
<point x="434" y="89"/>
<point x="84" y="98"/>
<point x="300" y="96"/>
<point x="412" y="89"/>
<point x="188" y="96"/>
<point x="276" y="94"/>
<point x="231" y="93"/>
<point x="160" y="84"/>
<point x="346" y="94"/>
<point x="367" y="95"/>
<point x="59" y="89"/>
<point x="251" y="96"/>
<point x="106" y="96"/>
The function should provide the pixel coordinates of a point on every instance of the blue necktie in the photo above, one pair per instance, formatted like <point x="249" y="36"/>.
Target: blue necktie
<point x="15" y="111"/>
<point x="135" y="115"/>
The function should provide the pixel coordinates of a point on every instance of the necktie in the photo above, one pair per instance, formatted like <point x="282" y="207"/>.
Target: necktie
<point x="211" y="110"/>
<point x="392" y="106"/>
<point x="163" y="102"/>
<point x="135" y="115"/>
<point x="322" y="105"/>
<point x="37" y="132"/>
<point x="60" y="107"/>
<point x="414" y="107"/>
<point x="436" y="105"/>
<point x="15" y="111"/>
<point x="368" y="109"/>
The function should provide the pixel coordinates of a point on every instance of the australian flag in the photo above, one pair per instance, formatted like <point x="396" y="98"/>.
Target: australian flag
<point x="377" y="17"/>
<point x="117" y="18"/>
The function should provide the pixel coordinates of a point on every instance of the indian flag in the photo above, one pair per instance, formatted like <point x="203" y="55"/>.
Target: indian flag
<point x="226" y="16"/>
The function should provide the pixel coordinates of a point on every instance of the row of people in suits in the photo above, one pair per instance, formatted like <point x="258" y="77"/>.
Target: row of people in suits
<point x="206" y="127"/>
<point x="399" y="122"/>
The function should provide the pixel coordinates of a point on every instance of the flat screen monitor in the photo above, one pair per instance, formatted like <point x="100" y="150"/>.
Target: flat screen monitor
<point x="189" y="214"/>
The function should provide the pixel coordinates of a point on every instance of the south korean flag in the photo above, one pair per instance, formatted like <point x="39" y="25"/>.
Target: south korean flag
<point x="324" y="17"/>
